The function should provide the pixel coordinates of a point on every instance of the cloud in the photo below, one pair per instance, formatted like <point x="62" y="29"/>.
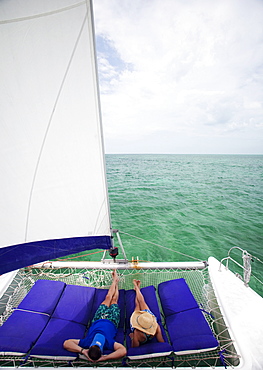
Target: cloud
<point x="186" y="68"/>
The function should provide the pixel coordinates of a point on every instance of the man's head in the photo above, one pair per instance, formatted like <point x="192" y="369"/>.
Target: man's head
<point x="96" y="347"/>
<point x="94" y="352"/>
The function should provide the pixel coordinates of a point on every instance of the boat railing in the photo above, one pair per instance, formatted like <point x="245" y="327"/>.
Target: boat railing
<point x="246" y="267"/>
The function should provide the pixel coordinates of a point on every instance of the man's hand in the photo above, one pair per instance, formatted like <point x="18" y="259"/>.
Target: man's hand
<point x="85" y="353"/>
<point x="119" y="352"/>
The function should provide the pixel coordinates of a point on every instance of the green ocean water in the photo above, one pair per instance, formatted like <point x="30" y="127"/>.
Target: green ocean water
<point x="199" y="205"/>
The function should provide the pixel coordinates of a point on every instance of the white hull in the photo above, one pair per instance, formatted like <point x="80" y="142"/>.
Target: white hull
<point x="242" y="309"/>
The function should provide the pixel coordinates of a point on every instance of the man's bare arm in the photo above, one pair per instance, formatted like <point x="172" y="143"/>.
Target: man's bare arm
<point x="119" y="352"/>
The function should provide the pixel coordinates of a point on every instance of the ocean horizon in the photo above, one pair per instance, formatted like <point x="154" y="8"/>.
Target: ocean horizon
<point x="181" y="206"/>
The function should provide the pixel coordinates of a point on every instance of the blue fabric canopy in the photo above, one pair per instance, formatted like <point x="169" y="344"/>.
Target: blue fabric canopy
<point x="22" y="255"/>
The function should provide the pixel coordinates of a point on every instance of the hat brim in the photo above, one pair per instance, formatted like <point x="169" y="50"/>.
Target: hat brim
<point x="135" y="318"/>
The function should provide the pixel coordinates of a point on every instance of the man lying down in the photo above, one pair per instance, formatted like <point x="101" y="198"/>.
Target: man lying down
<point x="102" y="332"/>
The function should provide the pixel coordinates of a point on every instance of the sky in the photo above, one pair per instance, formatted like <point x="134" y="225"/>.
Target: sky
<point x="181" y="76"/>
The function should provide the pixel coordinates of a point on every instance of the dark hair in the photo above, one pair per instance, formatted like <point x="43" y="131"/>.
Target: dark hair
<point x="94" y="352"/>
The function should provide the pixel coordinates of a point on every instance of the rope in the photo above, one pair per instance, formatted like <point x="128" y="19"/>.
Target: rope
<point x="161" y="246"/>
<point x="257" y="259"/>
<point x="82" y="255"/>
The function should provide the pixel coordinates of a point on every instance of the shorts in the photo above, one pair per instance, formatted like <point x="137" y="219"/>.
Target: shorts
<point x="111" y="313"/>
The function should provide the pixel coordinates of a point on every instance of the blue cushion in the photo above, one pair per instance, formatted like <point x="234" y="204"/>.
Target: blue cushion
<point x="99" y="297"/>
<point x="149" y="350"/>
<point x="20" y="331"/>
<point x="149" y="294"/>
<point x="190" y="333"/>
<point x="50" y="343"/>
<point x="153" y="340"/>
<point x="176" y="296"/>
<point x="119" y="338"/>
<point x="187" y="327"/>
<point x="152" y="348"/>
<point x="43" y="296"/>
<point x="75" y="304"/>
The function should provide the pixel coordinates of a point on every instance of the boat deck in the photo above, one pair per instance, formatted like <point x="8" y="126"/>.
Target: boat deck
<point x="237" y="302"/>
<point x="197" y="279"/>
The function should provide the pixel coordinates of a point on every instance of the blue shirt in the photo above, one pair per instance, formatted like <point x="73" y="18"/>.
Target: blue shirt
<point x="104" y="327"/>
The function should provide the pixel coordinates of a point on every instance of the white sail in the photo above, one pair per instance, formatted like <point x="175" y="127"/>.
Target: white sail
<point x="52" y="160"/>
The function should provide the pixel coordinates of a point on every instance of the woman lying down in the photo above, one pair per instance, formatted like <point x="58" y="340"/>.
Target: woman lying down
<point x="144" y="324"/>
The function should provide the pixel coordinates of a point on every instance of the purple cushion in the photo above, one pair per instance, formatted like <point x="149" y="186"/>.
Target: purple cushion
<point x="149" y="350"/>
<point x="50" y="343"/>
<point x="176" y="296"/>
<point x="75" y="304"/>
<point x="189" y="332"/>
<point x="153" y="340"/>
<point x="119" y="338"/>
<point x="152" y="348"/>
<point x="149" y="294"/>
<point x="43" y="296"/>
<point x="20" y="331"/>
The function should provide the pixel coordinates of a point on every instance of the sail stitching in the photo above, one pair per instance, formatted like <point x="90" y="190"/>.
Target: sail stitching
<point x="98" y="217"/>
<point x="22" y="19"/>
<point x="50" y="121"/>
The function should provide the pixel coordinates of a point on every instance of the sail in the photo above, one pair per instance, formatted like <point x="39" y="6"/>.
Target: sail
<point x="53" y="191"/>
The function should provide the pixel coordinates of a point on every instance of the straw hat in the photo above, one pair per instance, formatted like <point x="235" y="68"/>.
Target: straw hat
<point x="144" y="322"/>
